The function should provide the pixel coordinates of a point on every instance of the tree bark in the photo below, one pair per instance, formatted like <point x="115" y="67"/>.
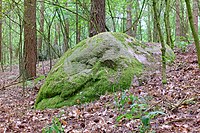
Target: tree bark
<point x="77" y="24"/>
<point x="199" y="7"/>
<point x="149" y="25"/>
<point x="112" y="17"/>
<point x="167" y="24"/>
<point x="30" y="44"/>
<point x="195" y="14"/>
<point x="66" y="36"/>
<point x="1" y="32"/>
<point x="97" y="17"/>
<point x="178" y="23"/>
<point x="135" y="26"/>
<point x="41" y="30"/>
<point x="194" y="32"/>
<point x="129" y="18"/>
<point x="155" y="30"/>
<point x="10" y="43"/>
<point x="163" y="49"/>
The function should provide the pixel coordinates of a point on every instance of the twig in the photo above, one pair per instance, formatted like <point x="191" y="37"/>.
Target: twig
<point x="179" y="120"/>
<point x="183" y="101"/>
<point x="10" y="83"/>
<point x="153" y="106"/>
<point x="14" y="82"/>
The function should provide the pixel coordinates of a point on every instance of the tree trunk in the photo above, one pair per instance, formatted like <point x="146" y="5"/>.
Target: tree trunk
<point x="1" y="34"/>
<point x="194" y="32"/>
<point x="129" y="18"/>
<point x="155" y="30"/>
<point x="77" y="25"/>
<point x="65" y="33"/>
<point x="195" y="14"/>
<point x="41" y="30"/>
<point x="57" y="30"/>
<point x="123" y="20"/>
<point x="163" y="49"/>
<point x="30" y="44"/>
<point x="97" y="18"/>
<point x="66" y="36"/>
<point x="112" y="17"/>
<point x="20" y="51"/>
<point x="167" y="24"/>
<point x="178" y="24"/>
<point x="135" y="26"/>
<point x="140" y="22"/>
<point x="198" y="7"/>
<point x="183" y="24"/>
<point x="10" y="43"/>
<point x="149" y="25"/>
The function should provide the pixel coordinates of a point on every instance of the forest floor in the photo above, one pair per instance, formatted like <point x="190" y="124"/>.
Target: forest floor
<point x="179" y="99"/>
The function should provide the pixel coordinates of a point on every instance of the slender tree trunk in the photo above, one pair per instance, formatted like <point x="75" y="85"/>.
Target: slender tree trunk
<point x="10" y="43"/>
<point x="129" y="18"/>
<point x="149" y="25"/>
<point x="1" y="60"/>
<point x="167" y="24"/>
<point x="140" y="30"/>
<point x="30" y="43"/>
<point x="178" y="24"/>
<point x="65" y="33"/>
<point x="135" y="26"/>
<point x="49" y="50"/>
<point x="163" y="49"/>
<point x="66" y="36"/>
<point x="97" y="20"/>
<point x="49" y="44"/>
<point x="184" y="23"/>
<point x="198" y="7"/>
<point x="41" y="26"/>
<point x="194" y="32"/>
<point x="111" y="15"/>
<point x="77" y="25"/>
<point x="123" y="21"/>
<point x="186" y="27"/>
<point x="155" y="30"/>
<point x="56" y="34"/>
<point x="20" y="51"/>
<point x="195" y="14"/>
<point x="58" y="40"/>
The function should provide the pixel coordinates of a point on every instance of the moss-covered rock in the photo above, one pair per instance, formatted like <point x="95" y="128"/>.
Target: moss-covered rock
<point x="104" y="63"/>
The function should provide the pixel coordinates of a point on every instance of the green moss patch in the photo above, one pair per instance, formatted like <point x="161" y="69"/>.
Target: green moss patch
<point x="104" y="63"/>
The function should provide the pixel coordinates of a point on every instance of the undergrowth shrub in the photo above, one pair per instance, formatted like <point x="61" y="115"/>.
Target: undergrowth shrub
<point x="133" y="107"/>
<point x="55" y="127"/>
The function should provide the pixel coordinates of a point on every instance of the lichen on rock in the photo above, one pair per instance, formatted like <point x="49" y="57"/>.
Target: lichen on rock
<point x="103" y="63"/>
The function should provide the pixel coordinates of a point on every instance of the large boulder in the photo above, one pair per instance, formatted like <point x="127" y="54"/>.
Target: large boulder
<point x="104" y="63"/>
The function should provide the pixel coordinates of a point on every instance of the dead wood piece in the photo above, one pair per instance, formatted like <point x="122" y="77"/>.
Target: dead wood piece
<point x="180" y="120"/>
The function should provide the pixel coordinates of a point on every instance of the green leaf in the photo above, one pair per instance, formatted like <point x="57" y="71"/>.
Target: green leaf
<point x="155" y="113"/>
<point x="128" y="116"/>
<point x="145" y="120"/>
<point x="119" y="118"/>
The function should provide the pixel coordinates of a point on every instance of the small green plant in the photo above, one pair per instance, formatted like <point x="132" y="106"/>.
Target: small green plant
<point x="120" y="102"/>
<point x="145" y="120"/>
<point x="38" y="79"/>
<point x="55" y="127"/>
<point x="137" y="109"/>
<point x="182" y="45"/>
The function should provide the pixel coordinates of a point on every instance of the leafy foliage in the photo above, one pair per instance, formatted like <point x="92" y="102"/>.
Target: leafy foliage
<point x="55" y="127"/>
<point x="182" y="45"/>
<point x="137" y="109"/>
